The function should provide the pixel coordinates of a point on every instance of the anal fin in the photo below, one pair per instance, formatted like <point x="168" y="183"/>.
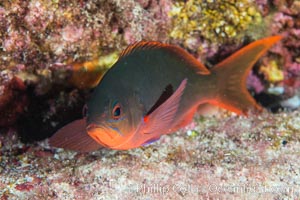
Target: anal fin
<point x="186" y="119"/>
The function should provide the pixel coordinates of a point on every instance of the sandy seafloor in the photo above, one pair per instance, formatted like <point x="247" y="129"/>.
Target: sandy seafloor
<point x="216" y="157"/>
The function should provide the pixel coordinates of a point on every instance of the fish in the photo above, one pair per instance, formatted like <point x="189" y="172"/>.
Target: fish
<point x="155" y="89"/>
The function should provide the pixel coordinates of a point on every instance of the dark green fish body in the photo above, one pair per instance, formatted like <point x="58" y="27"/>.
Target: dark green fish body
<point x="146" y="74"/>
<point x="155" y="89"/>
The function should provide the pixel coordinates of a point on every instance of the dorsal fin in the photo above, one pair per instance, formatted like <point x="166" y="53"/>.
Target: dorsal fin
<point x="188" y="58"/>
<point x="142" y="45"/>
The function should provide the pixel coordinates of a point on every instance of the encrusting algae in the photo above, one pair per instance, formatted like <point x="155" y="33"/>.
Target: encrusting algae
<point x="272" y="72"/>
<point x="216" y="21"/>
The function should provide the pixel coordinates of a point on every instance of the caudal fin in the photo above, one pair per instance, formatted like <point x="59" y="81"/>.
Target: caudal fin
<point x="231" y="75"/>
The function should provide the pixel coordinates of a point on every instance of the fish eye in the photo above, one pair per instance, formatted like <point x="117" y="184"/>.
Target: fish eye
<point x="116" y="112"/>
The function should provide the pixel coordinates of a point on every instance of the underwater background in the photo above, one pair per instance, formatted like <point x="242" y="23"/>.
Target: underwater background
<point x="53" y="53"/>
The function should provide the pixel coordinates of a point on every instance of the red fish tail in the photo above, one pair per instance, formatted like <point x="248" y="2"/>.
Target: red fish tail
<point x="231" y="75"/>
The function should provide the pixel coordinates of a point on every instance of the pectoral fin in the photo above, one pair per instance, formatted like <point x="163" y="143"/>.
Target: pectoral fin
<point x="161" y="119"/>
<point x="73" y="136"/>
<point x="148" y="142"/>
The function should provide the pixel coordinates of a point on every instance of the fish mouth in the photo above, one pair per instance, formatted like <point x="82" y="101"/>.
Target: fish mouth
<point x="105" y="136"/>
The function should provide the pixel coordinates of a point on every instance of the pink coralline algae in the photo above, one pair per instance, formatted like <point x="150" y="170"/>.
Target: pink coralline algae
<point x="155" y="10"/>
<point x="12" y="100"/>
<point x="24" y="187"/>
<point x="72" y="33"/>
<point x="16" y="40"/>
<point x="255" y="83"/>
<point x="41" y="38"/>
<point x="55" y="31"/>
<point x="294" y="68"/>
<point x="39" y="15"/>
<point x="281" y="68"/>
<point x="287" y="22"/>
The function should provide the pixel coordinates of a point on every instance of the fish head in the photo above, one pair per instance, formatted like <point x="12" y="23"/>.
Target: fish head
<point x="113" y="118"/>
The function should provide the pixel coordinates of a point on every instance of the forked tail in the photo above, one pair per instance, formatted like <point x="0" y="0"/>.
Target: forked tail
<point x="231" y="75"/>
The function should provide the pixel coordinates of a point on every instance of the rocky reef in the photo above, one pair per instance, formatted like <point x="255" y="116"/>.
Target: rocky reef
<point x="58" y="51"/>
<point x="53" y="53"/>
<point x="221" y="157"/>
